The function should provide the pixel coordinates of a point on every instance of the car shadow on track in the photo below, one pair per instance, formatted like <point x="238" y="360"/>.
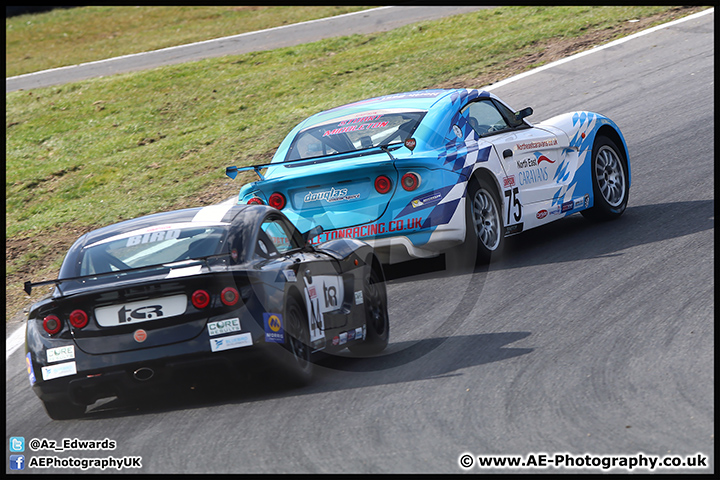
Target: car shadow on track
<point x="575" y="238"/>
<point x="332" y="373"/>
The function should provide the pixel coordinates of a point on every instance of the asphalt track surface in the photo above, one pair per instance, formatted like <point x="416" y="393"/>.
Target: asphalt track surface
<point x="591" y="340"/>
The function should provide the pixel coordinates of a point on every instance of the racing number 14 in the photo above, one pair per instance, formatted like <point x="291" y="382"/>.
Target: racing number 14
<point x="512" y="203"/>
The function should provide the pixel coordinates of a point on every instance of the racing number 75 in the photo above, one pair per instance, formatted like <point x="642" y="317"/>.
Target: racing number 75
<point x="512" y="203"/>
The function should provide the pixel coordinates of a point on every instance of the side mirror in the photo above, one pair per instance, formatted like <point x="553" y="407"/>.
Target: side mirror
<point x="312" y="233"/>
<point x="525" y="112"/>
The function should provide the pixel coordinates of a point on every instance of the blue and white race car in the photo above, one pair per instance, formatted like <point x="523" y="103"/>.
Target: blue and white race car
<point x="415" y="174"/>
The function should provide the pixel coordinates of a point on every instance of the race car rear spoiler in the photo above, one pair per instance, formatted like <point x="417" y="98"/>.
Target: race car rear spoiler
<point x="233" y="171"/>
<point x="28" y="286"/>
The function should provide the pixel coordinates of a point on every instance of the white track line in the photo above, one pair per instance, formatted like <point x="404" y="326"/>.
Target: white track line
<point x="17" y="338"/>
<point x="168" y="49"/>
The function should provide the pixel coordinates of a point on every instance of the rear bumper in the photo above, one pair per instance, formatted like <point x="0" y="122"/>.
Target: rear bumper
<point x="84" y="378"/>
<point x="151" y="375"/>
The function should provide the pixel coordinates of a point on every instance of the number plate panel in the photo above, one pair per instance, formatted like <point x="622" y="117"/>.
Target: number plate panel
<point x="141" y="311"/>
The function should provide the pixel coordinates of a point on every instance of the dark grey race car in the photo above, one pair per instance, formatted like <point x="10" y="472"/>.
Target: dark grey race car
<point x="140" y="302"/>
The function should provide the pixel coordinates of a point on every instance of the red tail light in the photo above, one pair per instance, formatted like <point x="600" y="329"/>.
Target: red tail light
<point x="78" y="318"/>
<point x="255" y="201"/>
<point x="383" y="184"/>
<point x="410" y="181"/>
<point x="277" y="200"/>
<point x="200" y="299"/>
<point x="52" y="324"/>
<point x="229" y="296"/>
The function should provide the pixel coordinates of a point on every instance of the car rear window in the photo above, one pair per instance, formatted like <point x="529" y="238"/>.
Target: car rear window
<point x="152" y="246"/>
<point x="354" y="133"/>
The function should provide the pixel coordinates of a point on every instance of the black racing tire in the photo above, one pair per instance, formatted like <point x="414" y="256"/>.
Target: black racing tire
<point x="484" y="228"/>
<point x="63" y="410"/>
<point x="611" y="186"/>
<point x="298" y="364"/>
<point x="377" y="330"/>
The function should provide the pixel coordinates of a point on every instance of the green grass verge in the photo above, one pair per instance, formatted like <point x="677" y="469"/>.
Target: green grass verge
<point x="95" y="152"/>
<point x="69" y="36"/>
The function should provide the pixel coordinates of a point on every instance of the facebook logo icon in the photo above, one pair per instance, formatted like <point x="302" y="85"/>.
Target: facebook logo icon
<point x="17" y="462"/>
<point x="17" y="444"/>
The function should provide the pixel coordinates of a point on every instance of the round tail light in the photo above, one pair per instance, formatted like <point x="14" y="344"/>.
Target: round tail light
<point x="52" y="324"/>
<point x="255" y="201"/>
<point x="383" y="184"/>
<point x="410" y="181"/>
<point x="277" y="200"/>
<point x="78" y="318"/>
<point x="229" y="296"/>
<point x="200" y="299"/>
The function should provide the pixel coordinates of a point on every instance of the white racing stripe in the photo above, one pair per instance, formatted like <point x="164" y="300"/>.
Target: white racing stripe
<point x="213" y="213"/>
<point x="16" y="340"/>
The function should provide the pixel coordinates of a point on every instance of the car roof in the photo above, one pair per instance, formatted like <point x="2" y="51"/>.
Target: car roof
<point x="215" y="213"/>
<point x="226" y="213"/>
<point x="418" y="99"/>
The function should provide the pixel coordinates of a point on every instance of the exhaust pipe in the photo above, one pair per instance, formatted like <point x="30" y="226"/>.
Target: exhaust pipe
<point x="143" y="374"/>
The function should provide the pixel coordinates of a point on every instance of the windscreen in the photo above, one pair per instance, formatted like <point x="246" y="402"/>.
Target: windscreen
<point x="152" y="246"/>
<point x="355" y="133"/>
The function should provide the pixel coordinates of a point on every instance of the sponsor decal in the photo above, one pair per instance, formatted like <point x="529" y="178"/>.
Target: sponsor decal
<point x="30" y="370"/>
<point x="509" y="181"/>
<point x="184" y="272"/>
<point x="357" y="120"/>
<point x="224" y="326"/>
<point x="323" y="293"/>
<point x="360" y="332"/>
<point x="410" y="143"/>
<point x="537" y="145"/>
<point x="586" y="200"/>
<point x="532" y="175"/>
<point x="419" y="202"/>
<point x="140" y="335"/>
<point x="59" y="370"/>
<point x="60" y="353"/>
<point x="526" y="162"/>
<point x="364" y="334"/>
<point x="273" y="328"/>
<point x="457" y="132"/>
<point x="567" y="206"/>
<point x="318" y="344"/>
<point x="356" y="128"/>
<point x="332" y="195"/>
<point x="289" y="275"/>
<point x="541" y="214"/>
<point x="343" y="338"/>
<point x="350" y="335"/>
<point x="336" y="340"/>
<point x="141" y="311"/>
<point x="358" y="297"/>
<point x="517" y="228"/>
<point x="153" y="237"/>
<point x="370" y="230"/>
<point x="578" y="203"/>
<point x="542" y="158"/>
<point x="554" y="210"/>
<point x="233" y="341"/>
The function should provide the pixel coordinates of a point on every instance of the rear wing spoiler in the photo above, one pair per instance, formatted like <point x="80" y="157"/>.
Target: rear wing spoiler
<point x="28" y="286"/>
<point x="233" y="171"/>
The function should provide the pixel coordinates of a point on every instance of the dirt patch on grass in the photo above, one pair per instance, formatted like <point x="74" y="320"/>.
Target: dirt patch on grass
<point x="558" y="48"/>
<point x="49" y="249"/>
